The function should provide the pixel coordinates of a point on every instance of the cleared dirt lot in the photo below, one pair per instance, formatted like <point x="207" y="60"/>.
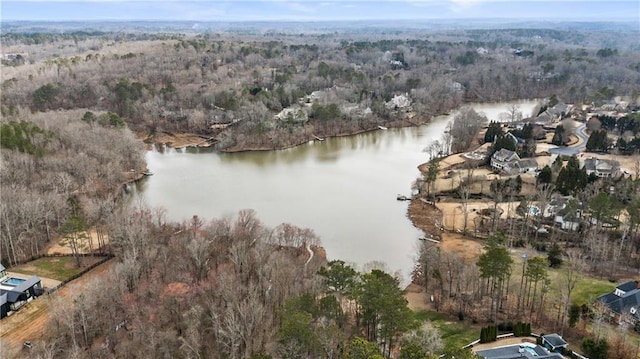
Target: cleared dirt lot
<point x="56" y="248"/>
<point x="429" y="219"/>
<point x="453" y="215"/>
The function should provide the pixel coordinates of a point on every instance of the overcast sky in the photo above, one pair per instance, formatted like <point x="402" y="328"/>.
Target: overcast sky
<point x="307" y="10"/>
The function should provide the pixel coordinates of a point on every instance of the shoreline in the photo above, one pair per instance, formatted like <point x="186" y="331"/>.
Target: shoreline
<point x="195" y="140"/>
<point x="179" y="140"/>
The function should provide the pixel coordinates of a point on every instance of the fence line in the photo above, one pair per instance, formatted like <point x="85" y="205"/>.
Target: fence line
<point x="79" y="274"/>
<point x="56" y="254"/>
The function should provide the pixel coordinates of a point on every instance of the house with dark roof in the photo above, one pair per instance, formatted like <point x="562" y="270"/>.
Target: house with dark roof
<point x="15" y="292"/>
<point x="554" y="342"/>
<point x="517" y="141"/>
<point x="623" y="302"/>
<point x="524" y="350"/>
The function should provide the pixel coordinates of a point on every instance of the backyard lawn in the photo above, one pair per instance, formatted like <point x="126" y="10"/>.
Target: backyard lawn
<point x="454" y="333"/>
<point x="58" y="268"/>
<point x="588" y="289"/>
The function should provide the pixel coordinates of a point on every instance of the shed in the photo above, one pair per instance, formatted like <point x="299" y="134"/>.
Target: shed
<point x="553" y="342"/>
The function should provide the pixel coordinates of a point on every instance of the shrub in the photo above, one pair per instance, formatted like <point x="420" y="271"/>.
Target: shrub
<point x="595" y="349"/>
<point x="521" y="329"/>
<point x="460" y="316"/>
<point x="488" y="334"/>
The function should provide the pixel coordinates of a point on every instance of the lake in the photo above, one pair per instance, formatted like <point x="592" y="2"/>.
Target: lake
<point x="343" y="188"/>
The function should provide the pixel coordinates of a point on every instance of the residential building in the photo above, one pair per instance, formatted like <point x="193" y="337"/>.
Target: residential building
<point x="509" y="162"/>
<point x="528" y="165"/>
<point x="517" y="141"/>
<point x="554" y="342"/>
<point x="563" y="212"/>
<point x="524" y="350"/>
<point x="602" y="168"/>
<point x="567" y="223"/>
<point x="504" y="160"/>
<point x="15" y="292"/>
<point x="624" y="302"/>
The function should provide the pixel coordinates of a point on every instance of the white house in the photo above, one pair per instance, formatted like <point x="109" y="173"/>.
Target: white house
<point x="505" y="160"/>
<point x="566" y="223"/>
<point x="602" y="168"/>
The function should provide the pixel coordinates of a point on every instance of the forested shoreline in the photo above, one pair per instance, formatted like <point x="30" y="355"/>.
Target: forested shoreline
<point x="275" y="91"/>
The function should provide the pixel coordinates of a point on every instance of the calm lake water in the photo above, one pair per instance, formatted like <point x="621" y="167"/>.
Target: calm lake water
<point x="343" y="188"/>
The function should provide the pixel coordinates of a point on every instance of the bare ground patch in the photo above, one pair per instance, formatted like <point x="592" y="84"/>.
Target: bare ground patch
<point x="416" y="298"/>
<point x="179" y="140"/>
<point x="56" y="248"/>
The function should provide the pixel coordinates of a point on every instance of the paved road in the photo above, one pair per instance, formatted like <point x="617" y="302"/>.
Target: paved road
<point x="574" y="149"/>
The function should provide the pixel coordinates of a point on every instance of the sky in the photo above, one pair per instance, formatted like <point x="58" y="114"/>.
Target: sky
<point x="319" y="10"/>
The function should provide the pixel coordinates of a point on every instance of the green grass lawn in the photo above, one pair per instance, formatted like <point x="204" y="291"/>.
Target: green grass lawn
<point x="454" y="332"/>
<point x="58" y="268"/>
<point x="588" y="289"/>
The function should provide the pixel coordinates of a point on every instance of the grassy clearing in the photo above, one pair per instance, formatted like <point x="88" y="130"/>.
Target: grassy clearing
<point x="454" y="333"/>
<point x="58" y="268"/>
<point x="588" y="289"/>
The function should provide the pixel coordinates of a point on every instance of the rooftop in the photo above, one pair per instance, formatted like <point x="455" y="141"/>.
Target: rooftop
<point x="505" y="154"/>
<point x="555" y="340"/>
<point x="524" y="350"/>
<point x="628" y="286"/>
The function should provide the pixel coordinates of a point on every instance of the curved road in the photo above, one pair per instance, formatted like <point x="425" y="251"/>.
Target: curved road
<point x="308" y="246"/>
<point x="574" y="149"/>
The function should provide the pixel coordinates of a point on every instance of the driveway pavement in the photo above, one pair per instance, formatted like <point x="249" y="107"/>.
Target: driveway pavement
<point x="574" y="149"/>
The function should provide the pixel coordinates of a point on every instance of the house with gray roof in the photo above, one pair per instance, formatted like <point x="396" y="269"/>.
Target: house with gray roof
<point x="523" y="350"/>
<point x="509" y="162"/>
<point x="602" y="168"/>
<point x="505" y="160"/>
<point x="623" y="302"/>
<point x="15" y="292"/>
<point x="527" y="165"/>
<point x="554" y="342"/>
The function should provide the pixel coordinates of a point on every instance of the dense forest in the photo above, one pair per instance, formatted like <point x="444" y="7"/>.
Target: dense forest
<point x="57" y="167"/>
<point x="274" y="91"/>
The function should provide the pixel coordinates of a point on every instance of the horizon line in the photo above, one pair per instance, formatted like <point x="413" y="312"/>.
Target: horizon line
<point x="483" y="19"/>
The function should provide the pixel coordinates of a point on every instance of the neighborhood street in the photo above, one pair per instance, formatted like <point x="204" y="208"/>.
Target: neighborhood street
<point x="574" y="149"/>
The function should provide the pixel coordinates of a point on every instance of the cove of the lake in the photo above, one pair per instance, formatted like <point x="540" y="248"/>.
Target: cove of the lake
<point x="343" y="188"/>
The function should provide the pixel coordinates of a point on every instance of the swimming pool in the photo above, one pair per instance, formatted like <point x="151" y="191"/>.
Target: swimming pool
<point x="13" y="281"/>
<point x="531" y="351"/>
<point x="533" y="210"/>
